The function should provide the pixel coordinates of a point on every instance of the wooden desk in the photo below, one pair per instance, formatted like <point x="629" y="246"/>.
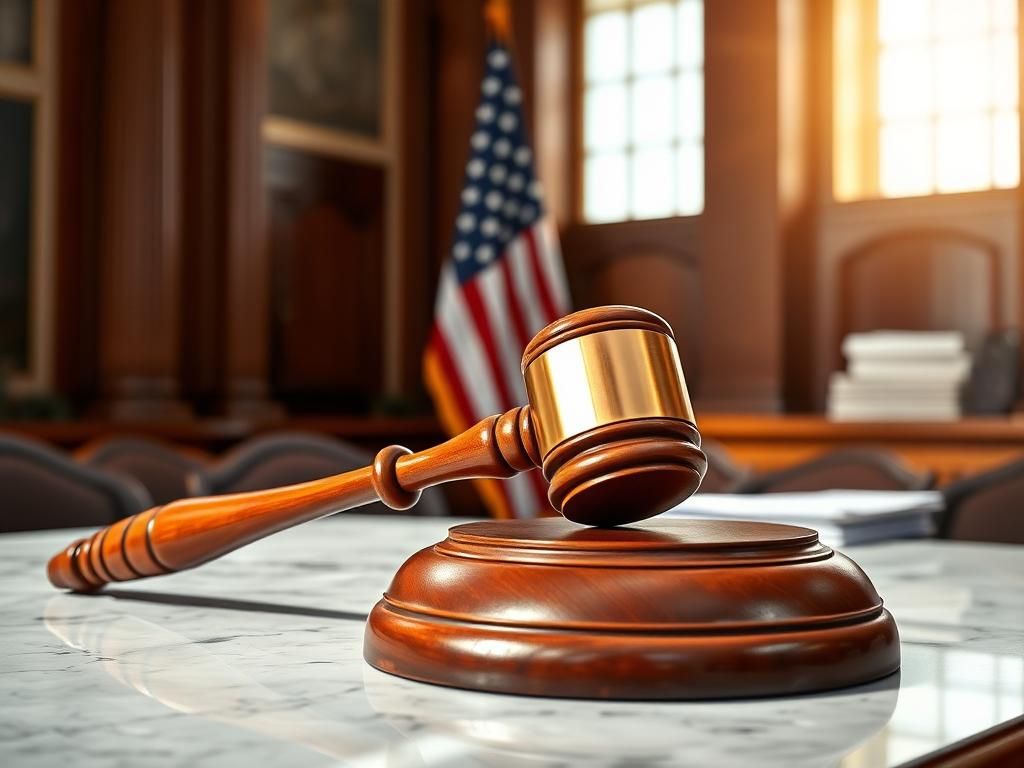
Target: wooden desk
<point x="950" y="450"/>
<point x="765" y="442"/>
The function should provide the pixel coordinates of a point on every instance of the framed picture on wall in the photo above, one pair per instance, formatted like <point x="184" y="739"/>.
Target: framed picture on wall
<point x="328" y="72"/>
<point x="27" y="95"/>
<point x="17" y="32"/>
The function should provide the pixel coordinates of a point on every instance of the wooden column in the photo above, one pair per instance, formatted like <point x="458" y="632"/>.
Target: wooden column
<point x="140" y="240"/>
<point x="755" y="198"/>
<point x="247" y="270"/>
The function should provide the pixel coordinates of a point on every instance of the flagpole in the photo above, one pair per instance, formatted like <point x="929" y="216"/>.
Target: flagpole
<point x="498" y="19"/>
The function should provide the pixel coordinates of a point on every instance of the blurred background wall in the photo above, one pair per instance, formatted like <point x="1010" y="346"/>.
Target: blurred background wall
<point x="238" y="210"/>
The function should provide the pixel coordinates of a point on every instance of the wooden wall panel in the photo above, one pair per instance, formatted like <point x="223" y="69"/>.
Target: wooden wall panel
<point x="141" y="189"/>
<point x="326" y="239"/>
<point x="911" y="246"/>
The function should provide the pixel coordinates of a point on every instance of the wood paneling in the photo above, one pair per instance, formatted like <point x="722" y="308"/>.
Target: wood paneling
<point x="81" y="35"/>
<point x="918" y="281"/>
<point x="950" y="450"/>
<point x="140" y="242"/>
<point x="326" y="235"/>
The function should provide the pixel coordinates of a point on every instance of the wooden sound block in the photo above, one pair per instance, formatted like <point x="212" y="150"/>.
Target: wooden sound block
<point x="667" y="609"/>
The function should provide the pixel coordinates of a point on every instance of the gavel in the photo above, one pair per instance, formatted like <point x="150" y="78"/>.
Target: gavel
<point x="609" y="422"/>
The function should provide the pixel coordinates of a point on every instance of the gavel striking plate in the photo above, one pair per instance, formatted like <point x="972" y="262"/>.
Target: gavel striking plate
<point x="591" y="604"/>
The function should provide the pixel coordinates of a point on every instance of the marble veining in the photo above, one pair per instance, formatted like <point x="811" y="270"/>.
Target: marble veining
<point x="256" y="660"/>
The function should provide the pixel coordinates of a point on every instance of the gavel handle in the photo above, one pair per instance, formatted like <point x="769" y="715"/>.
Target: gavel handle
<point x="190" y="532"/>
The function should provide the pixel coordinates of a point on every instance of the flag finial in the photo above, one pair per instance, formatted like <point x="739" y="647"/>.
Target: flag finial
<point x="498" y="15"/>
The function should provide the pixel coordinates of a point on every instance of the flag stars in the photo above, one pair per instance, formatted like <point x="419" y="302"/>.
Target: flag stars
<point x="461" y="251"/>
<point x="475" y="168"/>
<point x="527" y="213"/>
<point x="498" y="173"/>
<point x="522" y="156"/>
<point x="470" y="195"/>
<point x="480" y="141"/>
<point x="512" y="95"/>
<point x="493" y="200"/>
<point x="491" y="85"/>
<point x="535" y="190"/>
<point x="511" y="209"/>
<point x="516" y="182"/>
<point x="507" y="122"/>
<point x="484" y="253"/>
<point x="498" y="59"/>
<point x="465" y="222"/>
<point x="485" y="113"/>
<point x="502" y="147"/>
<point x="490" y="226"/>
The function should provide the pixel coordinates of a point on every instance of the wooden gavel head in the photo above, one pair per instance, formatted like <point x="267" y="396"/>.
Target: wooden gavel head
<point x="609" y="423"/>
<point x="610" y="416"/>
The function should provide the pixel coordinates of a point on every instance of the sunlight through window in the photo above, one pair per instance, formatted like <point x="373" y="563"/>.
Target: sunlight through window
<point x="926" y="97"/>
<point x="643" y="109"/>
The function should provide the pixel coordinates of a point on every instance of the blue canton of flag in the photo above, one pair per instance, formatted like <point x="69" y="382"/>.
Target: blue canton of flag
<point x="503" y="282"/>
<point x="500" y="196"/>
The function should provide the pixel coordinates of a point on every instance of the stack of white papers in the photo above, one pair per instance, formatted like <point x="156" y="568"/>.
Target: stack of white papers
<point x="841" y="518"/>
<point x="900" y="376"/>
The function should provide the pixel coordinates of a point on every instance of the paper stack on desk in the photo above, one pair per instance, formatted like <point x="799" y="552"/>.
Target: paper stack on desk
<point x="900" y="376"/>
<point x="841" y="518"/>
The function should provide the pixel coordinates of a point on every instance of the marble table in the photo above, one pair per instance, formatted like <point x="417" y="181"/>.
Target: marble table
<point x="255" y="660"/>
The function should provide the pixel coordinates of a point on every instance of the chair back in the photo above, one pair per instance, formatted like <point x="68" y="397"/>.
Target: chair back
<point x="854" y="469"/>
<point x="44" y="488"/>
<point x="724" y="475"/>
<point x="288" y="458"/>
<point x="986" y="507"/>
<point x="161" y="468"/>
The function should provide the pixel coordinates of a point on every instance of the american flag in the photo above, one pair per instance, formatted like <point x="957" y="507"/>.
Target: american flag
<point x="503" y="281"/>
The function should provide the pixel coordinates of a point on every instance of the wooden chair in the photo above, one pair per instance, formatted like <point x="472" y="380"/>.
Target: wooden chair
<point x="287" y="458"/>
<point x="986" y="507"/>
<point x="163" y="469"/>
<point x="44" y="488"/>
<point x="724" y="475"/>
<point x="853" y="469"/>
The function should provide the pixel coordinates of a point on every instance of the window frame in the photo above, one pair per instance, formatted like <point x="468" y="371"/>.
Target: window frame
<point x="855" y="141"/>
<point x="577" y="134"/>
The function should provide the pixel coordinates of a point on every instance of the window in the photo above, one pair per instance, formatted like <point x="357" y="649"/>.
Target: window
<point x="643" y="109"/>
<point x="926" y="97"/>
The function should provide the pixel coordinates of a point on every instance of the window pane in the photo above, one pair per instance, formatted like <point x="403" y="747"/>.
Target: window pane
<point x="690" y="106"/>
<point x="652" y="39"/>
<point x="1004" y="71"/>
<point x="690" y="43"/>
<point x="963" y="146"/>
<point x="643" y="108"/>
<point x="652" y="111"/>
<point x="905" y="151"/>
<point x="652" y="185"/>
<point x="904" y="82"/>
<point x="605" y="117"/>
<point x="958" y="19"/>
<point x="961" y="76"/>
<point x="690" y="179"/>
<point x="605" y="47"/>
<point x="903" y="20"/>
<point x="605" y="188"/>
<point x="594" y="6"/>
<point x="1004" y="14"/>
<point x="1006" y="150"/>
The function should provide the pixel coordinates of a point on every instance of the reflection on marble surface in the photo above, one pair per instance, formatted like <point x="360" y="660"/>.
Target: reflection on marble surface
<point x="256" y="660"/>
